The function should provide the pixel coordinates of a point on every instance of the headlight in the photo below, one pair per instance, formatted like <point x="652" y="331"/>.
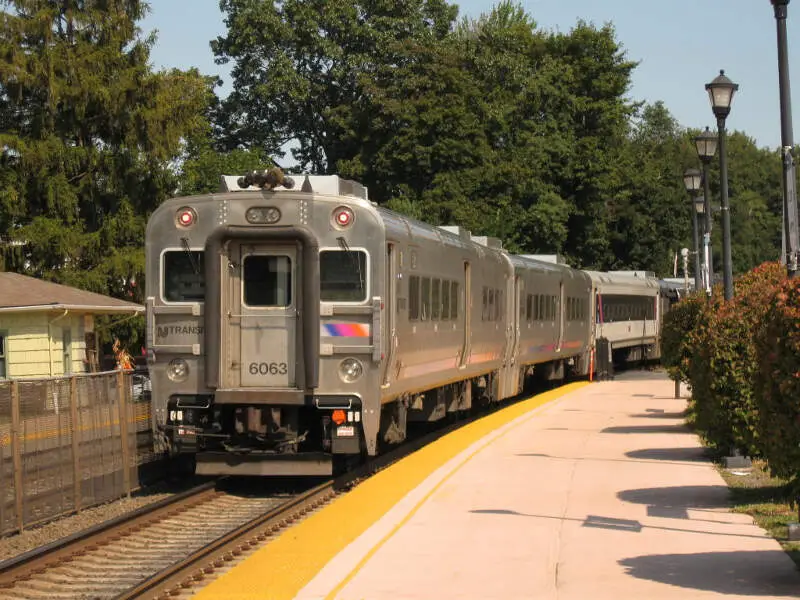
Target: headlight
<point x="177" y="370"/>
<point x="350" y="370"/>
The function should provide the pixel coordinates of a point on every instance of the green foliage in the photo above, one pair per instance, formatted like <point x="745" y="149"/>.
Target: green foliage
<point x="724" y="361"/>
<point x="88" y="132"/>
<point x="299" y="66"/>
<point x="777" y="381"/>
<point x="677" y="326"/>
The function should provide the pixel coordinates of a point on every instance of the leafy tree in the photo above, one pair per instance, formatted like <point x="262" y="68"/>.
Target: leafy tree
<point x="597" y="74"/>
<point x="651" y="216"/>
<point x="298" y="65"/>
<point x="203" y="165"/>
<point x="87" y="133"/>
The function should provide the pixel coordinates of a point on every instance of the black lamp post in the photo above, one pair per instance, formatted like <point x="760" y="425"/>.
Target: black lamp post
<point x="706" y="145"/>
<point x="691" y="181"/>
<point x="721" y="91"/>
<point x="790" y="233"/>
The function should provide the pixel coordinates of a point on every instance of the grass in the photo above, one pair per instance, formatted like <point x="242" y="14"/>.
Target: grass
<point x="765" y="498"/>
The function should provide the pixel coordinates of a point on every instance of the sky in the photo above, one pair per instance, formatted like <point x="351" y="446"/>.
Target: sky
<point x="680" y="46"/>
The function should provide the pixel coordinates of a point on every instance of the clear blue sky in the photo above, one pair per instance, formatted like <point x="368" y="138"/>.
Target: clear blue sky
<point x="680" y="45"/>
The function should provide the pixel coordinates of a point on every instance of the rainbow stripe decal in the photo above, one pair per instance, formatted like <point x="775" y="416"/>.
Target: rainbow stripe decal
<point x="345" y="330"/>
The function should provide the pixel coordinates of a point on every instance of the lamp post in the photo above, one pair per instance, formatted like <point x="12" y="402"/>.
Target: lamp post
<point x="700" y="210"/>
<point x="720" y="92"/>
<point x="706" y="146"/>
<point x="691" y="180"/>
<point x="790" y="233"/>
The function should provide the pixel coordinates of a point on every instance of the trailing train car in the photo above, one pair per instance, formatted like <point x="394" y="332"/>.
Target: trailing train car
<point x="627" y="314"/>
<point x="293" y="331"/>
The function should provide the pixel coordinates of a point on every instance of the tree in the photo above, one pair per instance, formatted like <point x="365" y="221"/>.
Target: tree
<point x="87" y="132"/>
<point x="298" y="67"/>
<point x="596" y="73"/>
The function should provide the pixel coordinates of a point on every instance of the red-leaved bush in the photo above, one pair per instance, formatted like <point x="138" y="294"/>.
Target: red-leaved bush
<point x="724" y="361"/>
<point x="777" y="381"/>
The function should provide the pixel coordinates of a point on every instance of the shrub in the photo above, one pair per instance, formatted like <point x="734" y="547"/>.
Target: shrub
<point x="676" y="328"/>
<point x="724" y="362"/>
<point x="777" y="381"/>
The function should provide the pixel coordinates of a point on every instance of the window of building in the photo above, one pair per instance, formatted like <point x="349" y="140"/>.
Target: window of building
<point x="3" y="337"/>
<point x="184" y="276"/>
<point x="267" y="280"/>
<point x="343" y="275"/>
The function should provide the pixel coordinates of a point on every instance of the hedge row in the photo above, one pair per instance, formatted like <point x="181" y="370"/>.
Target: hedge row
<point x="742" y="360"/>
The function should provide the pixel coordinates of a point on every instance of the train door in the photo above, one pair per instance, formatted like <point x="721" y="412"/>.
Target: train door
<point x="264" y="302"/>
<point x="390" y="313"/>
<point x="560" y="316"/>
<point x="515" y="318"/>
<point x="467" y="343"/>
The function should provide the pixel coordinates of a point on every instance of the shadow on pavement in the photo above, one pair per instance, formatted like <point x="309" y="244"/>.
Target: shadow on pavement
<point x="695" y="454"/>
<point x="743" y="573"/>
<point x="659" y="414"/>
<point x="679" y="496"/>
<point x="678" y="428"/>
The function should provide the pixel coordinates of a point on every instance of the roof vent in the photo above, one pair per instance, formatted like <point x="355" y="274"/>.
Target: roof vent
<point x="489" y="242"/>
<point x="464" y="234"/>
<point x="555" y="259"/>
<point x="329" y="185"/>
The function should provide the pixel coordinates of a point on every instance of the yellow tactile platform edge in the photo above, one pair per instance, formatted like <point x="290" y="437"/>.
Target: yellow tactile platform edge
<point x="284" y="566"/>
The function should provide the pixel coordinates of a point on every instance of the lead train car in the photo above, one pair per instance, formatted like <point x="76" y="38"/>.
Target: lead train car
<point x="289" y="331"/>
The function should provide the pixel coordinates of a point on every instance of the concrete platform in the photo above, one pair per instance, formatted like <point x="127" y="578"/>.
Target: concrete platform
<point x="601" y="493"/>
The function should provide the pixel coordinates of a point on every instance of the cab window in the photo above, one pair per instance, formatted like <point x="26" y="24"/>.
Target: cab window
<point x="184" y="276"/>
<point x="343" y="275"/>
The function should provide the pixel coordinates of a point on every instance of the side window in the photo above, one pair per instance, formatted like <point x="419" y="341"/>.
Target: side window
<point x="436" y="299"/>
<point x="413" y="298"/>
<point x="454" y="300"/>
<point x="3" y="336"/>
<point x="490" y="306"/>
<point x="529" y="308"/>
<point x="499" y="306"/>
<point x="485" y="306"/>
<point x="445" y="300"/>
<point x="426" y="298"/>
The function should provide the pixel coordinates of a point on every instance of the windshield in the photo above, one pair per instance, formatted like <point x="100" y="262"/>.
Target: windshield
<point x="343" y="275"/>
<point x="184" y="276"/>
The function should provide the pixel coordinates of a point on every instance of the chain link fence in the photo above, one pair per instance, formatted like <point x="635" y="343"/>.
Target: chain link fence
<point x="69" y="443"/>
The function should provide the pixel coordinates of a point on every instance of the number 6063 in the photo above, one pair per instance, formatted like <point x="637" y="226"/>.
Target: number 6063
<point x="268" y="368"/>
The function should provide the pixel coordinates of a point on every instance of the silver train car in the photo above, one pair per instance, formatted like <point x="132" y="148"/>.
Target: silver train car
<point x="294" y="331"/>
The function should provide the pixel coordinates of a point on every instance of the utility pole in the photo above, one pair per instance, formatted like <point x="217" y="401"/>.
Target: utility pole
<point x="790" y="233"/>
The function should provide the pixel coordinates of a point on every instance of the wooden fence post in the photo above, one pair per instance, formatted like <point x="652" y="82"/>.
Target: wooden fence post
<point x="16" y="446"/>
<point x="123" y="430"/>
<point x="77" y="494"/>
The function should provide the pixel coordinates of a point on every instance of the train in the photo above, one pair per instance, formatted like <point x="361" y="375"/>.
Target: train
<point x="294" y="327"/>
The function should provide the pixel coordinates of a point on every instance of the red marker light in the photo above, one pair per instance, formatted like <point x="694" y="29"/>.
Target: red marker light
<point x="186" y="217"/>
<point x="343" y="217"/>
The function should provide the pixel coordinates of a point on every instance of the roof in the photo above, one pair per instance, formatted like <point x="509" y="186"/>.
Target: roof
<point x="20" y="293"/>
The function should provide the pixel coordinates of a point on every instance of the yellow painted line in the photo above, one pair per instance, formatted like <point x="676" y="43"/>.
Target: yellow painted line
<point x="5" y="440"/>
<point x="283" y="567"/>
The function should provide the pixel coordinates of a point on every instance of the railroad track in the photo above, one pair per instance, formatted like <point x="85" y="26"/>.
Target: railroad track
<point x="127" y="557"/>
<point x="172" y="548"/>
